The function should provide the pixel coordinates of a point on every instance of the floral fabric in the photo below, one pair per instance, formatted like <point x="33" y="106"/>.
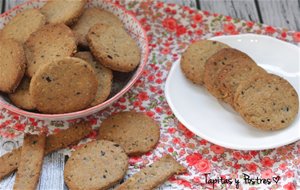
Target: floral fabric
<point x="170" y="30"/>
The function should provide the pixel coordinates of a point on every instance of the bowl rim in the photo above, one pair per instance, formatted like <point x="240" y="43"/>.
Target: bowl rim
<point x="91" y="110"/>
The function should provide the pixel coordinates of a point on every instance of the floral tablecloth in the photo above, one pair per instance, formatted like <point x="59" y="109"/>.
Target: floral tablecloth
<point x="170" y="29"/>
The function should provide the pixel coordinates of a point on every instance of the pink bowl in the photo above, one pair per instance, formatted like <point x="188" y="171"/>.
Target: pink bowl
<point x="133" y="27"/>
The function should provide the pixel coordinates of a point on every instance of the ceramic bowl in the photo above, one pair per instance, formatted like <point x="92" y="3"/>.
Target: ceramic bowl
<point x="120" y="86"/>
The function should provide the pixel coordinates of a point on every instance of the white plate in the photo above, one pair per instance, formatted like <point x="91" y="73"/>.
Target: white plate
<point x="218" y="123"/>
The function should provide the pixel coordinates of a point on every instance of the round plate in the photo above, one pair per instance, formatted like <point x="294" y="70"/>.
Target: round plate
<point x="120" y="87"/>
<point x="215" y="121"/>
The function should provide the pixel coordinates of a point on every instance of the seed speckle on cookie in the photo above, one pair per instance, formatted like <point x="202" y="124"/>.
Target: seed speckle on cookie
<point x="63" y="11"/>
<point x="12" y="64"/>
<point x="63" y="86"/>
<point x="136" y="132"/>
<point x="114" y="47"/>
<point x="49" y="43"/>
<point x="195" y="56"/>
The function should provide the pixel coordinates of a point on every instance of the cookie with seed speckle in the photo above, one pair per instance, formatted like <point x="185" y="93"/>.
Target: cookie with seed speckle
<point x="104" y="77"/>
<point x="49" y="43"/>
<point x="21" y="97"/>
<point x="194" y="58"/>
<point x="136" y="132"/>
<point x="63" y="11"/>
<point x="153" y="175"/>
<point x="233" y="74"/>
<point x="30" y="163"/>
<point x="226" y="56"/>
<point x="12" y="64"/>
<point x="267" y="102"/>
<point x="113" y="47"/>
<point x="89" y="18"/>
<point x="97" y="165"/>
<point x="23" y="24"/>
<point x="63" y="86"/>
<point x="77" y="131"/>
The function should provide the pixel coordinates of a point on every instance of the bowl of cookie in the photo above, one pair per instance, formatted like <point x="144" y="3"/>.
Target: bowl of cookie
<point x="62" y="60"/>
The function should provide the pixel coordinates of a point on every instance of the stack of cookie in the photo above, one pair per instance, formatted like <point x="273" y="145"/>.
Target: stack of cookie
<point x="265" y="101"/>
<point x="41" y="68"/>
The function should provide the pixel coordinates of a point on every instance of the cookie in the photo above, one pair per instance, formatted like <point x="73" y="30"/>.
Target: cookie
<point x="113" y="47"/>
<point x="216" y="63"/>
<point x="154" y="175"/>
<point x="21" y="97"/>
<point x="63" y="11"/>
<point x="12" y="65"/>
<point x="136" y="132"/>
<point x="30" y="163"/>
<point x="68" y="85"/>
<point x="267" y="102"/>
<point x="233" y="74"/>
<point x="104" y="77"/>
<point x="194" y="58"/>
<point x="9" y="162"/>
<point x="67" y="137"/>
<point x="97" y="165"/>
<point x="49" y="43"/>
<point x="23" y="24"/>
<point x="89" y="18"/>
<point x="54" y="142"/>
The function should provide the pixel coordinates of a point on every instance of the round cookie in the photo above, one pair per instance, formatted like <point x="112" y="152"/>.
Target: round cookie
<point x="135" y="132"/>
<point x="233" y="74"/>
<point x="113" y="47"/>
<point x="48" y="44"/>
<point x="267" y="102"/>
<point x="23" y="24"/>
<point x="12" y="64"/>
<point x="63" y="11"/>
<point x="97" y="165"/>
<point x="216" y="63"/>
<point x="104" y="77"/>
<point x="63" y="86"/>
<point x="89" y="18"/>
<point x="194" y="58"/>
<point x="21" y="97"/>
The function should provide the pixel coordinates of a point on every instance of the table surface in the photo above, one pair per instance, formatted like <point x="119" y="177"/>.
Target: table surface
<point x="280" y="13"/>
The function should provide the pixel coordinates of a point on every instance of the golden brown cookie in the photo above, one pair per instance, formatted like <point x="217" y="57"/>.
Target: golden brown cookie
<point x="9" y="162"/>
<point x="12" y="64"/>
<point x="31" y="161"/>
<point x="50" y="43"/>
<point x="97" y="165"/>
<point x="154" y="175"/>
<point x="63" y="86"/>
<point x="63" y="11"/>
<point x="268" y="102"/>
<point x="136" y="132"/>
<point x="216" y="63"/>
<point x="76" y="132"/>
<point x="113" y="47"/>
<point x="195" y="56"/>
<point x="104" y="77"/>
<point x="89" y="18"/>
<point x="23" y="24"/>
<point x="233" y="74"/>
<point x="21" y="97"/>
<point x="67" y="137"/>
